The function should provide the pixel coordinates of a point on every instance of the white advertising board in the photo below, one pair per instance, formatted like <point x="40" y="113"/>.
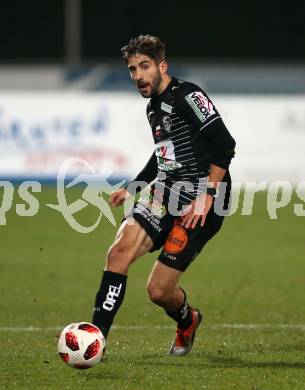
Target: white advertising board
<point x="270" y="136"/>
<point x="38" y="131"/>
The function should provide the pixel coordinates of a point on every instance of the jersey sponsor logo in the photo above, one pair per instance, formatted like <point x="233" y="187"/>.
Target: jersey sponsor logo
<point x="168" y="165"/>
<point x="165" y="149"/>
<point x="153" y="205"/>
<point x="167" y="123"/>
<point x="113" y="292"/>
<point x="158" y="131"/>
<point x="166" y="156"/>
<point x="176" y="240"/>
<point x="166" y="107"/>
<point x="201" y="105"/>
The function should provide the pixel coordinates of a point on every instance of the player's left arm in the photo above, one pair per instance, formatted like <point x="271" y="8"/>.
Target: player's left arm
<point x="199" y="208"/>
<point x="196" y="105"/>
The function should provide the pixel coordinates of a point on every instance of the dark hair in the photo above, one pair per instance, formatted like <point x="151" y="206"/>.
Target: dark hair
<point x="148" y="45"/>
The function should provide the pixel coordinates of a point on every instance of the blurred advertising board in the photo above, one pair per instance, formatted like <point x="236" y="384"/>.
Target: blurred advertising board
<point x="270" y="136"/>
<point x="38" y="131"/>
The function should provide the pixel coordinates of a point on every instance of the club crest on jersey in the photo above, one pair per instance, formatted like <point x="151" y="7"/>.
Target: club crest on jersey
<point x="166" y="107"/>
<point x="201" y="105"/>
<point x="166" y="123"/>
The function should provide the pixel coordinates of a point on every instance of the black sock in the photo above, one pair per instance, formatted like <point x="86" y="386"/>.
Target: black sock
<point x="183" y="316"/>
<point x="108" y="300"/>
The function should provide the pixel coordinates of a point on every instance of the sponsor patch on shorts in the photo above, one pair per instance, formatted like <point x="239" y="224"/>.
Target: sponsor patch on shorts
<point x="176" y="240"/>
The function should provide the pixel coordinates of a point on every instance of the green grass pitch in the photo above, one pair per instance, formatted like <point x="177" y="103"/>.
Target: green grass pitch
<point x="249" y="282"/>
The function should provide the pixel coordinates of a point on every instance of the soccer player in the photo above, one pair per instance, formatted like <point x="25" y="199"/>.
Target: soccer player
<point x="191" y="159"/>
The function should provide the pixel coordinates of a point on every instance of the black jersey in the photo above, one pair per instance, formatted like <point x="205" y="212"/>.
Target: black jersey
<point x="176" y="130"/>
<point x="189" y="135"/>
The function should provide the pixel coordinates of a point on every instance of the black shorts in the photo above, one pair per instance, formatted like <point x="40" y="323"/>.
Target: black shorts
<point x="180" y="245"/>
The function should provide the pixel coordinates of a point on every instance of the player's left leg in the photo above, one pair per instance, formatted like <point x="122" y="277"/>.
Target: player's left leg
<point x="163" y="291"/>
<point x="162" y="287"/>
<point x="181" y="248"/>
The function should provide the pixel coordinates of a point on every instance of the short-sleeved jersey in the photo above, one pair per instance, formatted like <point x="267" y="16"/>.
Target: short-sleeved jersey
<point x="178" y="118"/>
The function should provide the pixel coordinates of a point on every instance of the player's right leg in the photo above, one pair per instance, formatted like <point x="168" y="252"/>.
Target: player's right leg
<point x="130" y="243"/>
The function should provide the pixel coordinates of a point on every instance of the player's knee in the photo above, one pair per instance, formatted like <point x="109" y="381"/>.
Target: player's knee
<point x="119" y="257"/>
<point x="157" y="294"/>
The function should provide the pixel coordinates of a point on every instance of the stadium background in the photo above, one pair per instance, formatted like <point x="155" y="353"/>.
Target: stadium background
<point x="64" y="92"/>
<point x="64" y="89"/>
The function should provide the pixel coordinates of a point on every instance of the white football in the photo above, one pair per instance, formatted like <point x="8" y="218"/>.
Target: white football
<point x="81" y="345"/>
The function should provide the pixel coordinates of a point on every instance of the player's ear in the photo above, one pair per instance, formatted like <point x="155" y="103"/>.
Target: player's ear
<point x="163" y="66"/>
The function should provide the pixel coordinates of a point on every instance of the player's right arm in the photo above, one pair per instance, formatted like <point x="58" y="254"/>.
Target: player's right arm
<point x="147" y="175"/>
<point x="118" y="197"/>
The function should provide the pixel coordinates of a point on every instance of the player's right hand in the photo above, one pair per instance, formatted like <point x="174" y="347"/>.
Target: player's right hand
<point x="118" y="197"/>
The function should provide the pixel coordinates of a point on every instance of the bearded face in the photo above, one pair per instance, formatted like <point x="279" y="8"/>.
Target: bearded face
<point x="146" y="74"/>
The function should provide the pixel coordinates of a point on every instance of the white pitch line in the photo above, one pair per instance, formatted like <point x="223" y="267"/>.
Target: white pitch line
<point x="28" y="328"/>
<point x="260" y="326"/>
<point x="161" y="327"/>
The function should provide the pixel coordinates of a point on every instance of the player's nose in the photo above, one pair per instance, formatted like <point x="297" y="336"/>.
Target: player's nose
<point x="138" y="76"/>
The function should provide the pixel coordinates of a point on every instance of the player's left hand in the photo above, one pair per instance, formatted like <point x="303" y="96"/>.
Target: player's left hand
<point x="198" y="209"/>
